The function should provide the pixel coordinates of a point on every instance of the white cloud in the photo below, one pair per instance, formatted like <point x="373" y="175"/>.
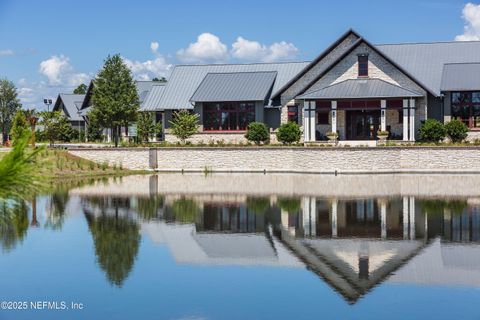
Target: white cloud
<point x="6" y="52"/>
<point x="248" y="50"/>
<point x="147" y="70"/>
<point x="31" y="94"/>
<point x="471" y="15"/>
<point x="59" y="71"/>
<point x="207" y="48"/>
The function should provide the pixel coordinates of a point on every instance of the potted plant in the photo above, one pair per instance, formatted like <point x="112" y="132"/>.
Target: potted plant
<point x="382" y="135"/>
<point x="332" y="136"/>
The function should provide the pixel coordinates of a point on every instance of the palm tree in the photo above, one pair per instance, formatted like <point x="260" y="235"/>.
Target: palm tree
<point x="32" y="119"/>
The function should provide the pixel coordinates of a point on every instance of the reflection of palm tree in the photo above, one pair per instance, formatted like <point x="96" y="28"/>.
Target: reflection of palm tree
<point x="56" y="216"/>
<point x="13" y="223"/>
<point x="117" y="240"/>
<point x="34" y="222"/>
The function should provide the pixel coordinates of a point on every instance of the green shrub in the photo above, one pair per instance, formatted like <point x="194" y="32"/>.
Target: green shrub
<point x="432" y="131"/>
<point x="289" y="133"/>
<point x="456" y="130"/>
<point x="257" y="132"/>
<point x="184" y="125"/>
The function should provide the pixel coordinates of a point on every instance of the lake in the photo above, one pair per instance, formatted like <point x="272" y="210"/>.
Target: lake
<point x="239" y="246"/>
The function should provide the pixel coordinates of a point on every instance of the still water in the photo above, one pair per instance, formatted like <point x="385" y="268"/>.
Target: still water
<point x="246" y="247"/>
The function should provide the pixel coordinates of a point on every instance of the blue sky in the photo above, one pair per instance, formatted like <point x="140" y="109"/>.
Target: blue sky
<point x="50" y="46"/>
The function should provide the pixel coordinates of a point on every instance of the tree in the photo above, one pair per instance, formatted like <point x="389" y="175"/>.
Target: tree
<point x="55" y="124"/>
<point x="115" y="98"/>
<point x="257" y="132"/>
<point x="117" y="240"/>
<point x="20" y="126"/>
<point x="161" y="79"/>
<point x="32" y="118"/>
<point x="432" y="131"/>
<point x="456" y="130"/>
<point x="9" y="105"/>
<point x="184" y="125"/>
<point x="81" y="89"/>
<point x="289" y="133"/>
<point x="146" y="127"/>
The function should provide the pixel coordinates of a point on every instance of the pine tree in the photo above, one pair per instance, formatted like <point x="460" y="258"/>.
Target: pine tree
<point x="115" y="98"/>
<point x="20" y="127"/>
<point x="9" y="105"/>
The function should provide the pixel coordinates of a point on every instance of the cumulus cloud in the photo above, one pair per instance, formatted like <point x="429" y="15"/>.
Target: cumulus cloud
<point x="59" y="71"/>
<point x="207" y="48"/>
<point x="248" y="50"/>
<point x="147" y="70"/>
<point x="471" y="15"/>
<point x="6" y="52"/>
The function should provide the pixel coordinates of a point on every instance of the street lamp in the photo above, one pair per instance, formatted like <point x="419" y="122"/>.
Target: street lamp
<point x="47" y="102"/>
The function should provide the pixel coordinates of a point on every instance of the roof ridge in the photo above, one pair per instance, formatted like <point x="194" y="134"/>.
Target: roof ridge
<point x="233" y="72"/>
<point x="239" y="64"/>
<point x="461" y="63"/>
<point x="424" y="42"/>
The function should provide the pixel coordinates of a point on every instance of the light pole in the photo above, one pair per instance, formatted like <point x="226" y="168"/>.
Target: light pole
<point x="47" y="102"/>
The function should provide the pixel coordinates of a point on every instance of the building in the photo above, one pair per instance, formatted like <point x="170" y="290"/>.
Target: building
<point x="144" y="89"/>
<point x="69" y="105"/>
<point x="353" y="88"/>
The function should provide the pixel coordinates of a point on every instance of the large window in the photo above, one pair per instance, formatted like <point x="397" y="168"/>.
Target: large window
<point x="228" y="116"/>
<point x="466" y="108"/>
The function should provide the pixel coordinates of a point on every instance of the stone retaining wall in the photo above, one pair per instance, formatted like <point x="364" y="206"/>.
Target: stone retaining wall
<point x="281" y="159"/>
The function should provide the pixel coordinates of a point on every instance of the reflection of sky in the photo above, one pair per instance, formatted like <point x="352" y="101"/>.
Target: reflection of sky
<point x="61" y="265"/>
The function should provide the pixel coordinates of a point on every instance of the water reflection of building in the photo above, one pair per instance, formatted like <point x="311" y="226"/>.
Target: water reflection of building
<point x="354" y="244"/>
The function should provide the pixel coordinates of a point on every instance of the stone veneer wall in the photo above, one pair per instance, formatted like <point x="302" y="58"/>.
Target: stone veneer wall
<point x="281" y="159"/>
<point x="216" y="138"/>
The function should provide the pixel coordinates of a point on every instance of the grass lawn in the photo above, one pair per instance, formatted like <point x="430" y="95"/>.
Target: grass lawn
<point x="57" y="163"/>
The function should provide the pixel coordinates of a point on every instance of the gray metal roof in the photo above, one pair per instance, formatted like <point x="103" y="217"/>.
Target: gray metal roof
<point x="153" y="98"/>
<point x="72" y="104"/>
<point x="425" y="61"/>
<point x="360" y="89"/>
<point x="143" y="87"/>
<point x="185" y="79"/>
<point x="238" y="86"/>
<point x="461" y="77"/>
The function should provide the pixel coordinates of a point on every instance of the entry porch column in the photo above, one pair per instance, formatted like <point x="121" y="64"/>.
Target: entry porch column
<point x="334" y="116"/>
<point x="309" y="121"/>
<point x="383" y="115"/>
<point x="412" y="120"/>
<point x="405" y="119"/>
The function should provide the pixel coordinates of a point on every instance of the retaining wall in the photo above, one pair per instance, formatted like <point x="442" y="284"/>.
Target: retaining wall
<point x="297" y="159"/>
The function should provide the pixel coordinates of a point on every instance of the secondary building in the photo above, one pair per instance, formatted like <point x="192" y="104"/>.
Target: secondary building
<point x="353" y="88"/>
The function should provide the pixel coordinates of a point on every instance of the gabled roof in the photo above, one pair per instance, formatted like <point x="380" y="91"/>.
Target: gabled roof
<point x="70" y="103"/>
<point x="143" y="88"/>
<point x="361" y="89"/>
<point x="153" y="98"/>
<point x="425" y="61"/>
<point x="311" y="64"/>
<point x="461" y="77"/>
<point x="239" y="86"/>
<point x="185" y="79"/>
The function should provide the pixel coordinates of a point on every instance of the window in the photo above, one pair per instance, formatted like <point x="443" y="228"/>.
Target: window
<point x="228" y="116"/>
<point x="363" y="65"/>
<point x="400" y="115"/>
<point x="322" y="117"/>
<point x="466" y="108"/>
<point x="293" y="114"/>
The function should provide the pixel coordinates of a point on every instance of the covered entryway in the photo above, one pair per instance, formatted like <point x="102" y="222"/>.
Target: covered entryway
<point x="362" y="124"/>
<point x="357" y="109"/>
